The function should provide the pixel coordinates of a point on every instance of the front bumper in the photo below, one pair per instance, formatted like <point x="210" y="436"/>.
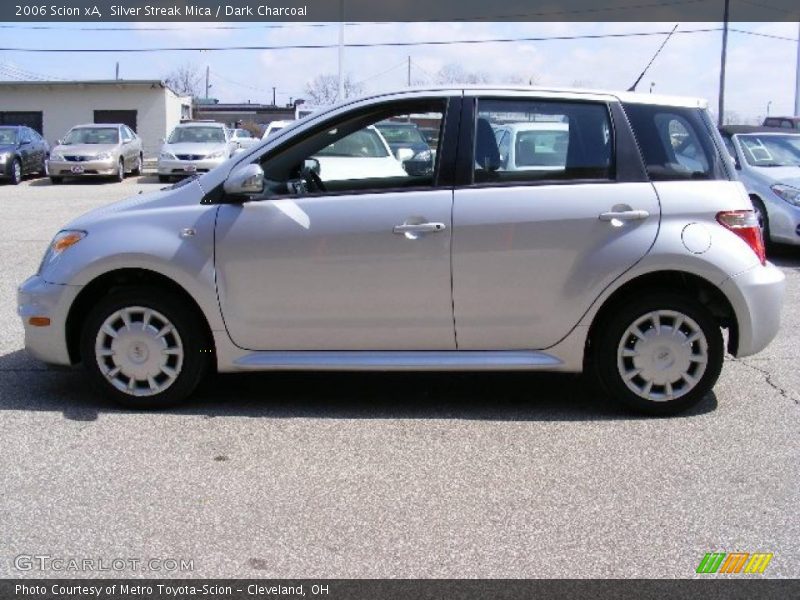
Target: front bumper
<point x="187" y="167"/>
<point x="38" y="298"/>
<point x="757" y="299"/>
<point x="68" y="168"/>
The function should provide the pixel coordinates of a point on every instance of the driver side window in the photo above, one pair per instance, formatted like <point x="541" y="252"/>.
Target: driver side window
<point x="383" y="149"/>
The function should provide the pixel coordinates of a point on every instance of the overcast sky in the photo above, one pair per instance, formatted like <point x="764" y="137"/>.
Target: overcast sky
<point x="760" y="69"/>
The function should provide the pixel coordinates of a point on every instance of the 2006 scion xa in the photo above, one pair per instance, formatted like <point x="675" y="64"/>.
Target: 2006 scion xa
<point x="621" y="246"/>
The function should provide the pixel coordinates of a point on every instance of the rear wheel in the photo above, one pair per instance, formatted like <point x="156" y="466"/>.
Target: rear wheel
<point x="660" y="354"/>
<point x="137" y="167"/>
<point x="143" y="348"/>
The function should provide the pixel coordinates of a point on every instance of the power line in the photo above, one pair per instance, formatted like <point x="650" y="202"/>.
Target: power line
<point x="361" y="44"/>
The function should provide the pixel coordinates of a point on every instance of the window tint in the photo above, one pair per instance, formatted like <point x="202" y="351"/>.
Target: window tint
<point x="528" y="140"/>
<point x="354" y="155"/>
<point x="676" y="142"/>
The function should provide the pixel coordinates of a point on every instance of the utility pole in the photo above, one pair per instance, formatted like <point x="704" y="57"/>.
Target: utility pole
<point x="409" y="72"/>
<point x="797" y="76"/>
<point x="116" y="72"/>
<point x="723" y="60"/>
<point x="273" y="96"/>
<point x="208" y="83"/>
<point x="340" y="95"/>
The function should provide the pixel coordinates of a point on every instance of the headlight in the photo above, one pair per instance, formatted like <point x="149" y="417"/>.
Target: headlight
<point x="62" y="241"/>
<point x="216" y="154"/>
<point x="164" y="155"/>
<point x="425" y="155"/>
<point x="103" y="156"/>
<point x="56" y="156"/>
<point x="4" y="156"/>
<point x="788" y="193"/>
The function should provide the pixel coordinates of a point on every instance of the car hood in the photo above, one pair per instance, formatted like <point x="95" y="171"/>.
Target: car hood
<point x="85" y="149"/>
<point x="184" y="193"/>
<point x="195" y="148"/>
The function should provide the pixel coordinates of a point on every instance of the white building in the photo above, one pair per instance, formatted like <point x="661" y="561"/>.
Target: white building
<point x="148" y="107"/>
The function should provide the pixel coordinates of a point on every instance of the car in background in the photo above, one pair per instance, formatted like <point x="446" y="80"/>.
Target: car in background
<point x="408" y="145"/>
<point x="96" y="150"/>
<point x="22" y="152"/>
<point x="532" y="146"/>
<point x="364" y="154"/>
<point x="243" y="139"/>
<point x="783" y="122"/>
<point x="768" y="164"/>
<point x="275" y="126"/>
<point x="193" y="148"/>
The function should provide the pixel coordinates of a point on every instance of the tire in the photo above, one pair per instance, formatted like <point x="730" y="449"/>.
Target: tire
<point x="137" y="168"/>
<point x="665" y="361"/>
<point x="120" y="176"/>
<point x="163" y="178"/>
<point x="16" y="172"/>
<point x="56" y="180"/>
<point x="763" y="218"/>
<point x="131" y="367"/>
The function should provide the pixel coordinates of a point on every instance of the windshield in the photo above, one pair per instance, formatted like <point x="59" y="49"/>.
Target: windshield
<point x="401" y="134"/>
<point x="92" y="135"/>
<point x="771" y="150"/>
<point x="197" y="135"/>
<point x="362" y="144"/>
<point x="8" y="135"/>
<point x="541" y="148"/>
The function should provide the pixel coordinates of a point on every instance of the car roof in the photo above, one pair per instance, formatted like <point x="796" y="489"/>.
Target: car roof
<point x="202" y="124"/>
<point x="741" y="129"/>
<point x="102" y="125"/>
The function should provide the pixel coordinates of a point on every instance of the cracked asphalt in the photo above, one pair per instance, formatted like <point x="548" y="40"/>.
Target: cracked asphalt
<point x="403" y="475"/>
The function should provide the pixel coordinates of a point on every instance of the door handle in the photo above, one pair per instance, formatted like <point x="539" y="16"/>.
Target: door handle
<point x="418" y="228"/>
<point x="624" y="215"/>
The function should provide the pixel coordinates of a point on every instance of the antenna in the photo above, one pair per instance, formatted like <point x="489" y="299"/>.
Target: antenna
<point x="660" y="48"/>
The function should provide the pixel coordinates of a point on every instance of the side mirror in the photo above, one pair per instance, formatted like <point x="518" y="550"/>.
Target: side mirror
<point x="312" y="164"/>
<point x="404" y="154"/>
<point x="245" y="181"/>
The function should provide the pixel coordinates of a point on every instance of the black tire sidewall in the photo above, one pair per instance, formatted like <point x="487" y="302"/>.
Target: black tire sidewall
<point x="120" y="170"/>
<point x="761" y="207"/>
<point x="197" y="355"/>
<point x="604" y="356"/>
<point x="16" y="167"/>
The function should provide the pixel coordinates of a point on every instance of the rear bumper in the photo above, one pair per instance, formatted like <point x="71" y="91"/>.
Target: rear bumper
<point x="757" y="299"/>
<point x="37" y="298"/>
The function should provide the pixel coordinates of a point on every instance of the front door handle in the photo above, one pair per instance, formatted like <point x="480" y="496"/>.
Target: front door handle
<point x="416" y="228"/>
<point x="624" y="215"/>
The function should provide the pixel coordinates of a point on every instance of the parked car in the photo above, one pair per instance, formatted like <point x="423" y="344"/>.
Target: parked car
<point x="96" y="150"/>
<point x="363" y="154"/>
<point x="243" y="139"/>
<point x="540" y="146"/>
<point x="783" y="122"/>
<point x="768" y="164"/>
<point x="408" y="146"/>
<point x="22" y="152"/>
<point x="624" y="262"/>
<point x="195" y="147"/>
<point x="275" y="126"/>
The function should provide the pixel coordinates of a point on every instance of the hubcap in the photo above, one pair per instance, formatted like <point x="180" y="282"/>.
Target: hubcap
<point x="139" y="351"/>
<point x="17" y="172"/>
<point x="662" y="355"/>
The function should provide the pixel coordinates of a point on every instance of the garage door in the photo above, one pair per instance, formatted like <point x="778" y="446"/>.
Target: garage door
<point x="31" y="119"/>
<point x="127" y="117"/>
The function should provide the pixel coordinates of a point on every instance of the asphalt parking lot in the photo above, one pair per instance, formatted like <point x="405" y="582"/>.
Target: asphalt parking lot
<point x="401" y="475"/>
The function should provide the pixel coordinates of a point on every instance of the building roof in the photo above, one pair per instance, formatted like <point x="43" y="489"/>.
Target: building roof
<point x="153" y="83"/>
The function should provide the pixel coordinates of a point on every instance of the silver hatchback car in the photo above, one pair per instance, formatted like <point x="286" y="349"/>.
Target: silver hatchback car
<point x="626" y="259"/>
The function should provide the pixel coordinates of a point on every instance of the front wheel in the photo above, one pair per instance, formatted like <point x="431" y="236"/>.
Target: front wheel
<point x="762" y="217"/>
<point x="120" y="176"/>
<point x="143" y="347"/>
<point x="660" y="354"/>
<point x="16" y="172"/>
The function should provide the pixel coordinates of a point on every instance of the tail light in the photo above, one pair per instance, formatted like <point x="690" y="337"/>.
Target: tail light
<point x="745" y="224"/>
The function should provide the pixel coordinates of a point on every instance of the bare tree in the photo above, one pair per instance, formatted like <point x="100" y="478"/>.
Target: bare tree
<point x="185" y="80"/>
<point x="324" y="89"/>
<point x="455" y="73"/>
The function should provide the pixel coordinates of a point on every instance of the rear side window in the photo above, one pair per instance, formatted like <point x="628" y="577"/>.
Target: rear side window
<point x="539" y="140"/>
<point x="676" y="143"/>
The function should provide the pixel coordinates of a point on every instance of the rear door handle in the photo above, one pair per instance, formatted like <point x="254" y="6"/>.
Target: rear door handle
<point x="418" y="228"/>
<point x="624" y="215"/>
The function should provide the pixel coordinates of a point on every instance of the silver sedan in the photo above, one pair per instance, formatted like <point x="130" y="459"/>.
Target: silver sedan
<point x="96" y="150"/>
